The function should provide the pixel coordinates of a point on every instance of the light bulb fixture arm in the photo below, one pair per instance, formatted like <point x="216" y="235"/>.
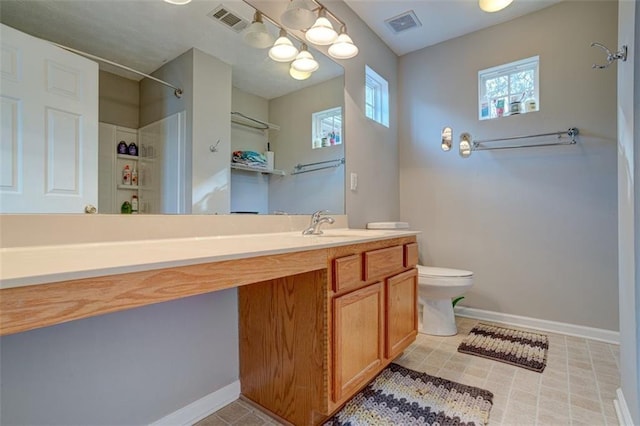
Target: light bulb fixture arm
<point x="274" y="22"/>
<point x="328" y="12"/>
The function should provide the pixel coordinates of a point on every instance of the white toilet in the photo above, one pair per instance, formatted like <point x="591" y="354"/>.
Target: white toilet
<point x="436" y="288"/>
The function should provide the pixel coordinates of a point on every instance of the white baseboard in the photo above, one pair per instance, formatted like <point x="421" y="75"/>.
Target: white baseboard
<point x="539" y="324"/>
<point x="205" y="406"/>
<point x="622" y="410"/>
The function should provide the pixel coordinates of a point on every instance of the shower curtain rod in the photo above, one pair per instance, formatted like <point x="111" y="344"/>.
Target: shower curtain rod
<point x="177" y="91"/>
<point x="571" y="132"/>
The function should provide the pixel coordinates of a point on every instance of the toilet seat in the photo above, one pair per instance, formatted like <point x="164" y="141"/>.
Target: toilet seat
<point x="436" y="272"/>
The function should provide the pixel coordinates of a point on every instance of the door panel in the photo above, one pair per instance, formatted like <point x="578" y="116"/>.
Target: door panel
<point x="49" y="113"/>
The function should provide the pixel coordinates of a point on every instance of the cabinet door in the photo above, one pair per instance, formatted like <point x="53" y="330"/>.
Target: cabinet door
<point x="358" y="338"/>
<point x="401" y="306"/>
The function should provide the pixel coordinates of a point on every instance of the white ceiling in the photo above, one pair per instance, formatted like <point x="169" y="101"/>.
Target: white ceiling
<point x="144" y="34"/>
<point x="441" y="19"/>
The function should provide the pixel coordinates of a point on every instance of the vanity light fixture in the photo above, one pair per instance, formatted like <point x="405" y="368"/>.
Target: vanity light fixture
<point x="298" y="75"/>
<point x="257" y="34"/>
<point x="465" y="145"/>
<point x="297" y="16"/>
<point x="447" y="135"/>
<point x="343" y="47"/>
<point x="283" y="49"/>
<point x="322" y="32"/>
<point x="178" y="2"/>
<point x="304" y="62"/>
<point x="493" y="5"/>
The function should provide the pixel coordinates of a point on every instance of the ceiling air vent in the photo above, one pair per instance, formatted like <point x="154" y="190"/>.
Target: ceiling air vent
<point x="228" y="18"/>
<point x="403" y="22"/>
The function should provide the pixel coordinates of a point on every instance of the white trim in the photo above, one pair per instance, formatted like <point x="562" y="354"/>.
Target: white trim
<point x="201" y="408"/>
<point x="540" y="324"/>
<point x="622" y="409"/>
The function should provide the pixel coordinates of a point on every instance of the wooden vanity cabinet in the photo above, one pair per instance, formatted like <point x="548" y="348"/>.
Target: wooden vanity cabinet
<point x="308" y="343"/>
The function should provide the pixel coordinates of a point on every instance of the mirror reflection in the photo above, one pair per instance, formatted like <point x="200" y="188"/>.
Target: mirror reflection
<point x="179" y="151"/>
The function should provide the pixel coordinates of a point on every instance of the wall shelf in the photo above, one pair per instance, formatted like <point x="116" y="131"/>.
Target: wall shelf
<point x="129" y="187"/>
<point x="257" y="169"/>
<point x="128" y="157"/>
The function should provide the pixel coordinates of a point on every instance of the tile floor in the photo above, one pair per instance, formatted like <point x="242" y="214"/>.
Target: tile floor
<point x="576" y="388"/>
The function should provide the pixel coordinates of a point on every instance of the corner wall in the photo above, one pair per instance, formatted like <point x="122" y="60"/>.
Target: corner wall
<point x="629" y="207"/>
<point x="537" y="226"/>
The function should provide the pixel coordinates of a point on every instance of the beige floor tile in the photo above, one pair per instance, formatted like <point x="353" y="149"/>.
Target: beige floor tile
<point x="586" y="416"/>
<point x="548" y="394"/>
<point x="232" y="412"/>
<point x="212" y="420"/>
<point x="577" y="386"/>
<point x="252" y="419"/>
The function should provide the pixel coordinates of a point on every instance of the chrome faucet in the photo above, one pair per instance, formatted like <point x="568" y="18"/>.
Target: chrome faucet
<point x="318" y="219"/>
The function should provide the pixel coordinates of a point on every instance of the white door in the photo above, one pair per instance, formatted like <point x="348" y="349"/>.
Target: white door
<point x="49" y="133"/>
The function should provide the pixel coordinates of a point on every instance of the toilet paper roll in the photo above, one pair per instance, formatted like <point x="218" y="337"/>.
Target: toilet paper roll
<point x="270" y="159"/>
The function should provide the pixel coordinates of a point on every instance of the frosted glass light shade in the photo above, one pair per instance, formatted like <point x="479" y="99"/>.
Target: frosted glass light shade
<point x="322" y="32"/>
<point x="299" y="75"/>
<point x="297" y="15"/>
<point x="465" y="145"/>
<point x="257" y="34"/>
<point x="343" y="47"/>
<point x="304" y="62"/>
<point x="178" y="2"/>
<point x="493" y="5"/>
<point x="283" y="50"/>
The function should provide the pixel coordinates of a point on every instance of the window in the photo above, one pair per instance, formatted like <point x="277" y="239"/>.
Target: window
<point x="376" y="101"/>
<point x="326" y="128"/>
<point x="509" y="89"/>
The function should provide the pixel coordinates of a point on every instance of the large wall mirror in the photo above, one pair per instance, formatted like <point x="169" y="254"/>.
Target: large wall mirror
<point x="184" y="147"/>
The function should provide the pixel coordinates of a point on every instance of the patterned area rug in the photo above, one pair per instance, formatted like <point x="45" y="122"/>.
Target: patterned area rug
<point x="399" y="396"/>
<point x="522" y="348"/>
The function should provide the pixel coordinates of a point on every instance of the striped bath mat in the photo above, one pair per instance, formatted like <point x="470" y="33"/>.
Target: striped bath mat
<point x="522" y="348"/>
<point x="399" y="396"/>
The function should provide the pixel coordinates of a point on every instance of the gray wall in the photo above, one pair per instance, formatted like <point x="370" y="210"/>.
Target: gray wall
<point x="206" y="82"/>
<point x="127" y="368"/>
<point x="537" y="226"/>
<point x="629" y="205"/>
<point x="306" y="192"/>
<point x="118" y="100"/>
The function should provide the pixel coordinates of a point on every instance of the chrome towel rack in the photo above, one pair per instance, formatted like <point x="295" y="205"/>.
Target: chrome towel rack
<point x="571" y="133"/>
<point x="304" y="168"/>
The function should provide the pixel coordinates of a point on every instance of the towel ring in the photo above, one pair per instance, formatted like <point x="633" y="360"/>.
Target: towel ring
<point x="620" y="54"/>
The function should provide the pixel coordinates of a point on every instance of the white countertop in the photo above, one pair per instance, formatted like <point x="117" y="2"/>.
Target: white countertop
<point x="23" y="266"/>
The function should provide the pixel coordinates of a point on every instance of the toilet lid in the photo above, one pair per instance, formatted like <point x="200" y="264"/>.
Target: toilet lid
<point x="432" y="271"/>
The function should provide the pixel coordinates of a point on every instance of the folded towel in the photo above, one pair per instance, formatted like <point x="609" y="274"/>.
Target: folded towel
<point x="249" y="158"/>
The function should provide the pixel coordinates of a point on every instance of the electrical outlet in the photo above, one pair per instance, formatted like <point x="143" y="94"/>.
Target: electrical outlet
<point x="354" y="181"/>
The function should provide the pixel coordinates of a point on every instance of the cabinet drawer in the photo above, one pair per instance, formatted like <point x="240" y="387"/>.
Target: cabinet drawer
<point x="410" y="255"/>
<point x="383" y="262"/>
<point x="347" y="272"/>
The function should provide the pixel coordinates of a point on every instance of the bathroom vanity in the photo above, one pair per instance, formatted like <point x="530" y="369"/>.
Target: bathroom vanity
<point x="319" y="316"/>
